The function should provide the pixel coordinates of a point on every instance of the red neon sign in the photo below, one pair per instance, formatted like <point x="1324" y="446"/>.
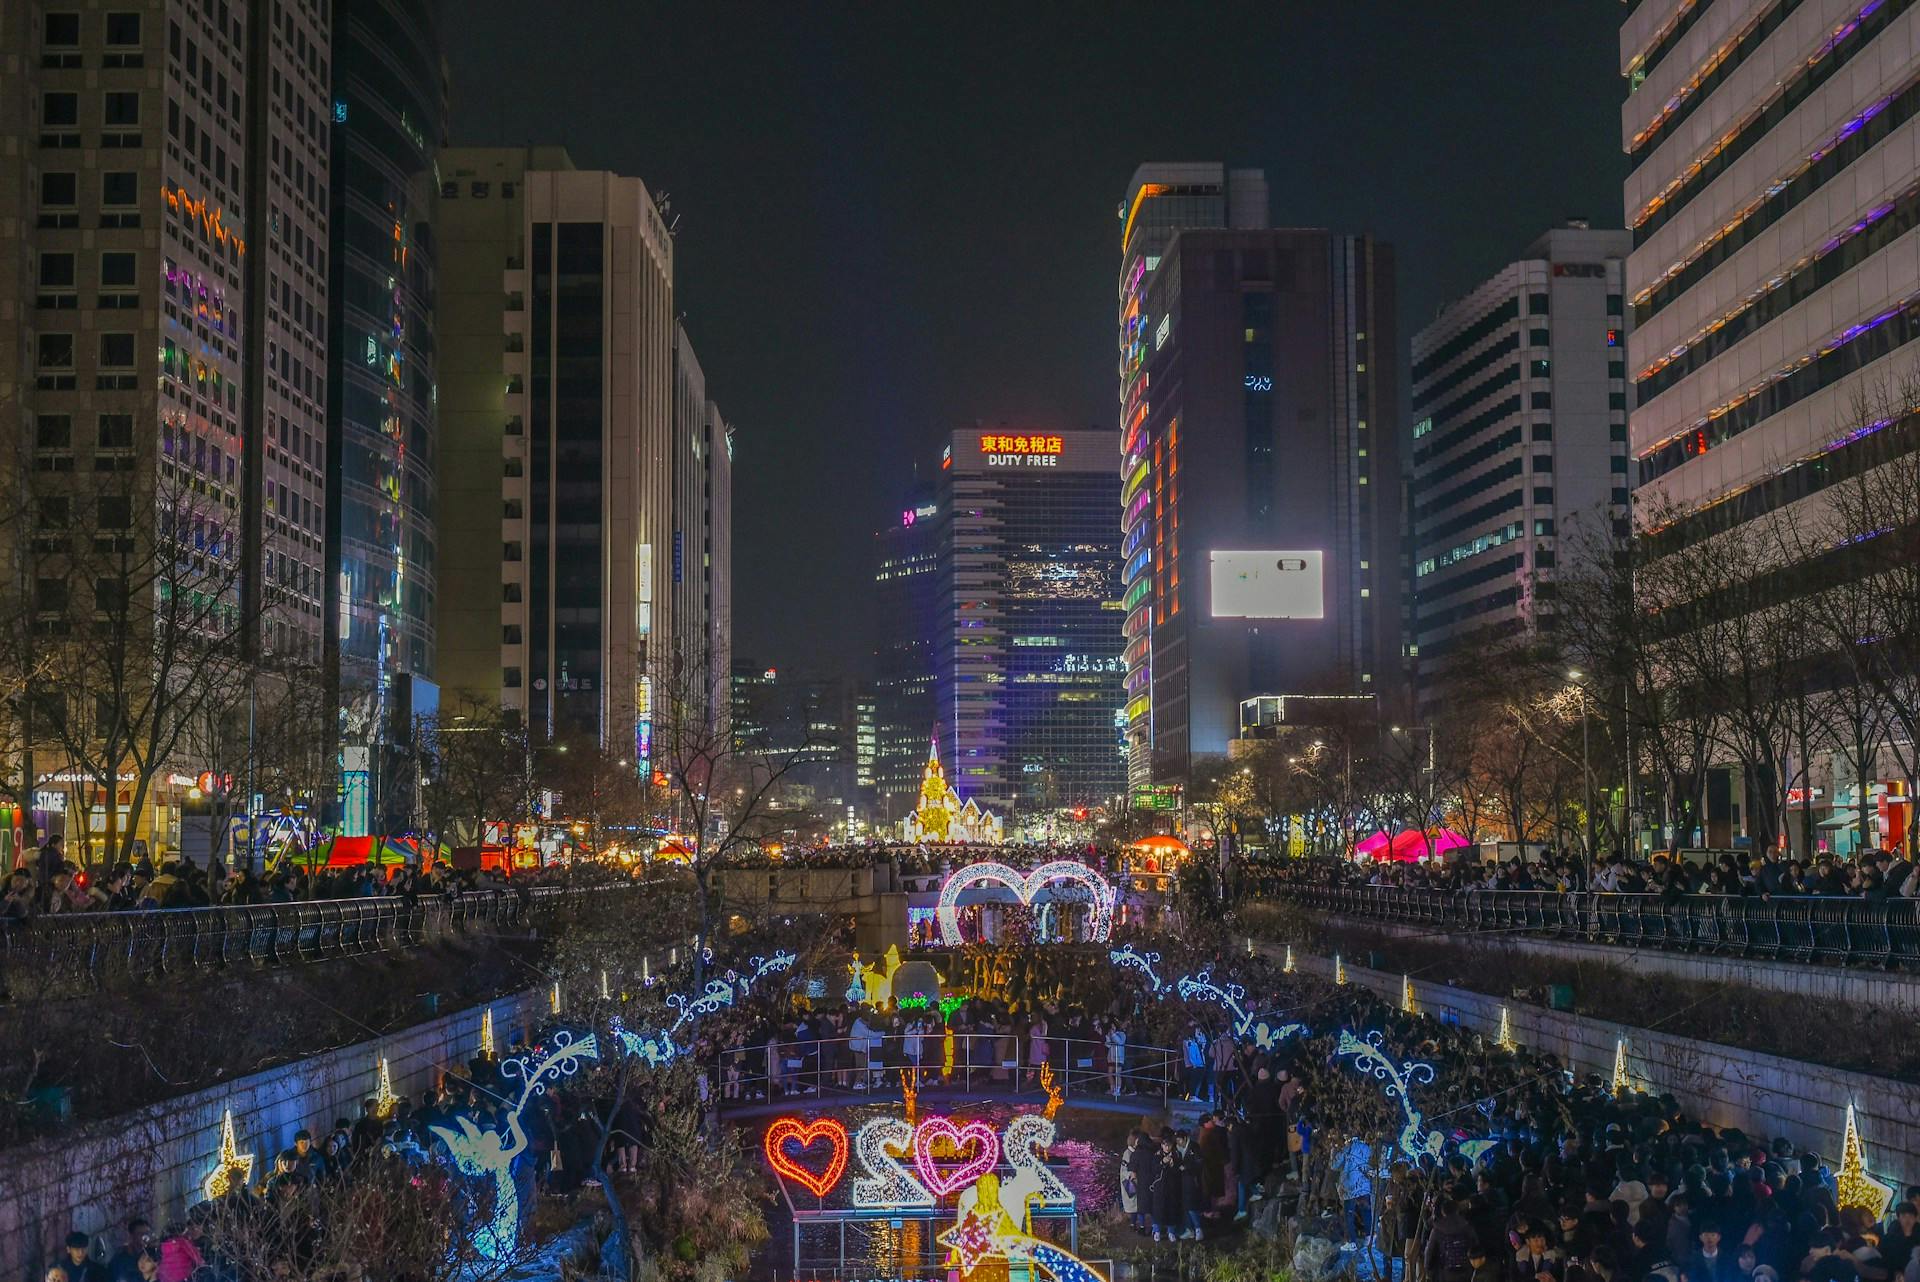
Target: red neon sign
<point x="806" y="1135"/>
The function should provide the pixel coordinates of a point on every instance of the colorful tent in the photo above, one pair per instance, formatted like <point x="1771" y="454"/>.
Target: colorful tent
<point x="1409" y="844"/>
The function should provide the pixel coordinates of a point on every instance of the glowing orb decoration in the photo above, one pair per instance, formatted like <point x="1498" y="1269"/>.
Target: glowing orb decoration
<point x="887" y="1183"/>
<point x="791" y="1130"/>
<point x="1857" y="1188"/>
<point x="1370" y="1058"/>
<point x="232" y="1164"/>
<point x="1099" y="925"/>
<point x="942" y="1182"/>
<point x="1142" y="962"/>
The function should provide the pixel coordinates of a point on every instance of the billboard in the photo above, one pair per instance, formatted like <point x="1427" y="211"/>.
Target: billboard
<point x="1267" y="585"/>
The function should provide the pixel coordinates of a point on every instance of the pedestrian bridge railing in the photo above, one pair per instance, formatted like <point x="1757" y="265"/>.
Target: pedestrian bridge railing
<point x="1828" y="929"/>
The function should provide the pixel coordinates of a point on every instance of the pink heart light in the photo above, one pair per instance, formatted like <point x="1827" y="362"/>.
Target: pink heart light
<point x="944" y="1182"/>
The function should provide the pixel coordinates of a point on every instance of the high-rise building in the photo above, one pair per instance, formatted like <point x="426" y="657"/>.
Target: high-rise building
<point x="716" y="563"/>
<point x="1263" y="546"/>
<point x="165" y="300"/>
<point x="1772" y="186"/>
<point x="1520" y="434"/>
<point x="579" y="391"/>
<point x="1026" y="645"/>
<point x="1161" y="200"/>
<point x="702" y="555"/>
<point x="905" y="622"/>
<point x="388" y="123"/>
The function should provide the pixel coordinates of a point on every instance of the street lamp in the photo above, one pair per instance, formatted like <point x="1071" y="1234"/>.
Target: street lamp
<point x="1578" y="679"/>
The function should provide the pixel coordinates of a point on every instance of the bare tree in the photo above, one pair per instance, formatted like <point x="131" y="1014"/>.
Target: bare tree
<point x="127" y="600"/>
<point x="477" y="769"/>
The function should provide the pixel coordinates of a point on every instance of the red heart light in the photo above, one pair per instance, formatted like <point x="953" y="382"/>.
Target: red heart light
<point x="942" y="1182"/>
<point x="806" y="1134"/>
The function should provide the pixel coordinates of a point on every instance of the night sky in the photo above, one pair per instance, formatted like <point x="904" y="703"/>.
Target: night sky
<point x="896" y="220"/>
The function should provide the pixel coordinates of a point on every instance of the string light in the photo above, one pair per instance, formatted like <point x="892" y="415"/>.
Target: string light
<point x="486" y="1031"/>
<point x="888" y="1184"/>
<point x="1856" y="1187"/>
<point x="384" y="1099"/>
<point x="553" y="998"/>
<point x="789" y="1130"/>
<point x="1407" y="1003"/>
<point x="1265" y="1038"/>
<point x="1286" y="967"/>
<point x="942" y="1182"/>
<point x="1202" y="985"/>
<point x="606" y="994"/>
<point x="1339" y="970"/>
<point x="1026" y="1137"/>
<point x="231" y="1161"/>
<point x="910" y="1091"/>
<point x="1047" y="1085"/>
<point x="1505" y="1037"/>
<point x="1621" y="1081"/>
<point x="1142" y="962"/>
<point x="947" y="912"/>
<point x="1370" y="1058"/>
<point x="976" y="1236"/>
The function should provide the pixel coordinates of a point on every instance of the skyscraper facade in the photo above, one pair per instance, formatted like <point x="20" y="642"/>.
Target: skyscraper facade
<point x="1520" y="435"/>
<point x="166" y="295"/>
<point x="1263" y="551"/>
<point x="388" y="123"/>
<point x="584" y="367"/>
<point x="1161" y="200"/>
<point x="1028" y="675"/>
<point x="907" y="552"/>
<point x="1772" y="188"/>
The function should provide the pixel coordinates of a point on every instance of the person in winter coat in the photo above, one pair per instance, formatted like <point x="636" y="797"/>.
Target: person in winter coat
<point x="1131" y="1168"/>
<point x="1166" y="1206"/>
<point x="1450" y="1246"/>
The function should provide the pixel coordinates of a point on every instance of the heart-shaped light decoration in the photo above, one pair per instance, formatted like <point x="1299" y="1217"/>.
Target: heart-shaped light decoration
<point x="791" y="1130"/>
<point x="942" y="1182"/>
<point x="1099" y="925"/>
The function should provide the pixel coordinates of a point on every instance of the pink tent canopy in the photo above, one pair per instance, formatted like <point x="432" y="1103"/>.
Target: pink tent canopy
<point x="1410" y="844"/>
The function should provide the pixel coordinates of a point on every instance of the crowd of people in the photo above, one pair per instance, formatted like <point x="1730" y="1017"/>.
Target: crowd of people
<point x="1879" y="875"/>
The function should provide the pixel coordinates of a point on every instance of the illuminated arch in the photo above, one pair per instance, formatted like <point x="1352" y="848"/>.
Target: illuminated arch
<point x="1100" y="924"/>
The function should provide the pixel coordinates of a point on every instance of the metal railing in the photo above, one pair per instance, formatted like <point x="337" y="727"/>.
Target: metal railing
<point x="1806" y="928"/>
<point x="93" y="947"/>
<point x="982" y="1064"/>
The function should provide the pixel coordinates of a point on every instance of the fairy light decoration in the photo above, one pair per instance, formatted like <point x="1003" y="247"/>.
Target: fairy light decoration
<point x="763" y="967"/>
<point x="553" y="998"/>
<point x="1622" y="1080"/>
<point x="1408" y="1006"/>
<point x="479" y="1151"/>
<point x="1286" y="967"/>
<point x="1202" y="985"/>
<point x="486" y="1031"/>
<point x="232" y="1168"/>
<point x="718" y="993"/>
<point x="1369" y="1057"/>
<point x="1856" y="1187"/>
<point x="1142" y="962"/>
<point x="1048" y="1085"/>
<point x="1339" y="970"/>
<point x="1504" y="1038"/>
<point x="1267" y="1038"/>
<point x="384" y="1099"/>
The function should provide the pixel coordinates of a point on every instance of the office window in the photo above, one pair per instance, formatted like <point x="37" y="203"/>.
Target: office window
<point x="62" y="30"/>
<point x="1543" y="431"/>
<point x="1540" y="369"/>
<point x="56" y="271"/>
<point x="123" y="28"/>
<point x="480" y="190"/>
<point x="510" y="678"/>
<point x="1543" y="496"/>
<point x="1542" y="400"/>
<point x="1614" y="307"/>
<point x="1536" y="304"/>
<point x="60" y="110"/>
<point x="116" y="351"/>
<point x="510" y="593"/>
<point x="52" y="431"/>
<point x="50" y="595"/>
<point x="120" y="188"/>
<point x="59" y="190"/>
<point x="1543" y="462"/>
<point x="109" y="595"/>
<point x="52" y="512"/>
<point x="113" y="512"/>
<point x="116" y="431"/>
<point x="122" y="109"/>
<point x="117" y="270"/>
<point x="55" y="351"/>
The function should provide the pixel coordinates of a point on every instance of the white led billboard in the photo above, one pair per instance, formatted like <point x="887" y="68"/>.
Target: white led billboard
<point x="1267" y="585"/>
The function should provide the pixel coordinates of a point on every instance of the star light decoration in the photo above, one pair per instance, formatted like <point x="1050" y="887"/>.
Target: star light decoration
<point x="974" y="1238"/>
<point x="1202" y="985"/>
<point x="230" y="1162"/>
<point x="1856" y="1187"/>
<point x="1142" y="962"/>
<point x="1370" y="1058"/>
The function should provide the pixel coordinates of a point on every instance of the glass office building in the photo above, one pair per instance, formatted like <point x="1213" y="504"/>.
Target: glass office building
<point x="1028" y="673"/>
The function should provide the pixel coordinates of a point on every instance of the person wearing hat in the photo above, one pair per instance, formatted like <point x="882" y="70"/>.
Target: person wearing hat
<point x="1480" y="1267"/>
